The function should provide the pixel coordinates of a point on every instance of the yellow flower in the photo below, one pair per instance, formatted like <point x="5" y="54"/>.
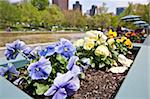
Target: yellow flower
<point x="102" y="50"/>
<point x="89" y="44"/>
<point x="123" y="39"/>
<point x="79" y="43"/>
<point x="112" y="34"/>
<point x="128" y="43"/>
<point x="118" y="40"/>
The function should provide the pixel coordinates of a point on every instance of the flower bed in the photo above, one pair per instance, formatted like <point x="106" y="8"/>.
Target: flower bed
<point x="56" y="70"/>
<point x="134" y="36"/>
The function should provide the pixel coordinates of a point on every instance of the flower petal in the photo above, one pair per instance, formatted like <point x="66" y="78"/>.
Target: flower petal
<point x="50" y="91"/>
<point x="60" y="94"/>
<point x="72" y="62"/>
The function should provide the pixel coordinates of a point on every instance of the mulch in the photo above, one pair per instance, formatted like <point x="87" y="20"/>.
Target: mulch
<point x="100" y="84"/>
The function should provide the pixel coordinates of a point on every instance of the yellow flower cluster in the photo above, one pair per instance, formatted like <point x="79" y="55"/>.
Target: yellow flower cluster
<point x="112" y="34"/>
<point x="92" y="39"/>
<point x="126" y="41"/>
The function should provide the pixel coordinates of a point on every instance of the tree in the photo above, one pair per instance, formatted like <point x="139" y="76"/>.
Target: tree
<point x="29" y="14"/>
<point x="51" y="16"/>
<point x="74" y="18"/>
<point x="9" y="14"/>
<point x="40" y="4"/>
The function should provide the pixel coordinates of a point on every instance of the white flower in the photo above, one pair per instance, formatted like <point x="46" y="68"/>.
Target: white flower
<point x="118" y="69"/>
<point x="96" y="36"/>
<point x="124" y="61"/>
<point x="79" y="43"/>
<point x="111" y="41"/>
<point x="89" y="44"/>
<point x="102" y="50"/>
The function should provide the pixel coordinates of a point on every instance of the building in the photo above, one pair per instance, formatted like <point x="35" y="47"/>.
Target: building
<point x="77" y="6"/>
<point x="63" y="4"/>
<point x="119" y="10"/>
<point x="93" y="10"/>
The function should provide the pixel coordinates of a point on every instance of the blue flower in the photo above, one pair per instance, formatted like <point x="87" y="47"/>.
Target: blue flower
<point x="72" y="65"/>
<point x="35" y="51"/>
<point x="13" y="48"/>
<point x="9" y="69"/>
<point x="40" y="69"/>
<point x="27" y="51"/>
<point x="64" y="85"/>
<point x="48" y="51"/>
<point x="65" y="48"/>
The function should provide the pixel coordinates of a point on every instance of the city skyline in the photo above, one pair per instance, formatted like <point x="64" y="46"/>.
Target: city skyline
<point x="111" y="4"/>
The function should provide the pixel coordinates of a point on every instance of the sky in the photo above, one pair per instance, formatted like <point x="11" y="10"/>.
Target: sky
<point x="111" y="4"/>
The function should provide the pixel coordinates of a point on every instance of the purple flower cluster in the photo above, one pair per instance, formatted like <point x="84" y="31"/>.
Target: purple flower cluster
<point x="66" y="84"/>
<point x="40" y="68"/>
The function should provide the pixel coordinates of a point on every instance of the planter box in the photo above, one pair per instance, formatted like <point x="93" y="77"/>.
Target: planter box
<point x="135" y="81"/>
<point x="136" y="84"/>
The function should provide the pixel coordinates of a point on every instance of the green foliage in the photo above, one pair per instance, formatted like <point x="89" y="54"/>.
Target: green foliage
<point x="40" y="4"/>
<point x="9" y="14"/>
<point x="37" y="14"/>
<point x="74" y="19"/>
<point x="41" y="88"/>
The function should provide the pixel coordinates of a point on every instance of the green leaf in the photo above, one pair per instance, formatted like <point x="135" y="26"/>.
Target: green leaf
<point x="41" y="88"/>
<point x="62" y="59"/>
<point x="82" y="75"/>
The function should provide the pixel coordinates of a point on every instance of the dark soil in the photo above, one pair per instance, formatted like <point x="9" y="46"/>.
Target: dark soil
<point x="99" y="84"/>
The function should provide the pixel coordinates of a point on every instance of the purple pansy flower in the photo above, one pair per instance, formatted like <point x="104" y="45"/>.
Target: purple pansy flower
<point x="40" y="69"/>
<point x="72" y="65"/>
<point x="65" y="48"/>
<point x="35" y="51"/>
<point x="64" y="85"/>
<point x="27" y="51"/>
<point x="10" y="69"/>
<point x="12" y="49"/>
<point x="48" y="51"/>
